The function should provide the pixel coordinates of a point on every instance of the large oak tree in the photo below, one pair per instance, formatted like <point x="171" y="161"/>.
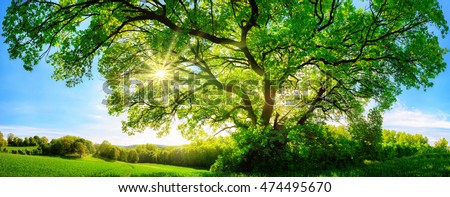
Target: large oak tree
<point x="231" y="64"/>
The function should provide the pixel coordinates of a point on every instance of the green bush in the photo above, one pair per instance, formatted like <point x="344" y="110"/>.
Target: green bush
<point x="314" y="148"/>
<point x="367" y="131"/>
<point x="401" y="144"/>
<point x="441" y="146"/>
<point x="255" y="150"/>
<point x="37" y="151"/>
<point x="299" y="148"/>
<point x="133" y="157"/>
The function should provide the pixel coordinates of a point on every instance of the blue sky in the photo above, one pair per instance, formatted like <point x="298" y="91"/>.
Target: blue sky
<point x="31" y="103"/>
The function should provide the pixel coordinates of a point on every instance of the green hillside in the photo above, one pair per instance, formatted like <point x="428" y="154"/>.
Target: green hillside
<point x="12" y="165"/>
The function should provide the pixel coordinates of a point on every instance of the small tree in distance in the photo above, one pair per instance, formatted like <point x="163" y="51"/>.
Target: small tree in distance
<point x="114" y="153"/>
<point x="441" y="146"/>
<point x="3" y="142"/>
<point x="80" y="149"/>
<point x="133" y="156"/>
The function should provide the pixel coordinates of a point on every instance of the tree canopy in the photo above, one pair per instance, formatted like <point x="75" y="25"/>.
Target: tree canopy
<point x="3" y="142"/>
<point x="233" y="64"/>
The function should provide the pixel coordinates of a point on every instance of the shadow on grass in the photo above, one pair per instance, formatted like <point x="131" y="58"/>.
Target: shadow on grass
<point x="430" y="165"/>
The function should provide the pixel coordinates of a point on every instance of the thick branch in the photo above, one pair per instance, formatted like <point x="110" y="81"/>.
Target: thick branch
<point x="243" y="43"/>
<point x="312" y="107"/>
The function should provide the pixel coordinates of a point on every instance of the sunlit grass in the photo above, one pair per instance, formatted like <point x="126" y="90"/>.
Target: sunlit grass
<point x="12" y="165"/>
<point x="432" y="165"/>
<point x="42" y="166"/>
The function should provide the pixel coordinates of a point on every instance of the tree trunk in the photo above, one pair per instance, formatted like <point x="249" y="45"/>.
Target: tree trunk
<point x="269" y="98"/>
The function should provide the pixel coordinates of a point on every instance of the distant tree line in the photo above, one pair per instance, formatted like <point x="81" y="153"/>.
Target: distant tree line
<point x="400" y="144"/>
<point x="69" y="146"/>
<point x="64" y="146"/>
<point x="27" y="141"/>
<point x="200" y="154"/>
<point x="318" y="146"/>
<point x="308" y="147"/>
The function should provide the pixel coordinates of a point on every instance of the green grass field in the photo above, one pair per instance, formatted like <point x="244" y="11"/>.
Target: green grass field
<point x="432" y="165"/>
<point x="12" y="165"/>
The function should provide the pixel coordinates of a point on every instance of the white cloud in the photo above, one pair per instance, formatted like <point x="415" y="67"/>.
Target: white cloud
<point x="26" y="131"/>
<point x="432" y="125"/>
<point x="401" y="116"/>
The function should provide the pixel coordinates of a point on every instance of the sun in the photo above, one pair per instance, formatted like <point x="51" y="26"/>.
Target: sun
<point x="156" y="68"/>
<point x="161" y="74"/>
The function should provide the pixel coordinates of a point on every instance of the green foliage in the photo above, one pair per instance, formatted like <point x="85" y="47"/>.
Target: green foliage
<point x="315" y="148"/>
<point x="3" y="142"/>
<point x="308" y="149"/>
<point x="244" y="65"/>
<point x="254" y="150"/>
<point x="303" y="148"/>
<point x="42" y="141"/>
<point x="200" y="154"/>
<point x="400" y="144"/>
<point x="133" y="157"/>
<point x="114" y="153"/>
<point x="441" y="146"/>
<point x="104" y="149"/>
<point x="16" y="141"/>
<point x="123" y="155"/>
<point x="147" y="153"/>
<point x="368" y="133"/>
<point x="80" y="149"/>
<point x="68" y="146"/>
<point x="44" y="166"/>
<point x="26" y="141"/>
<point x="304" y="60"/>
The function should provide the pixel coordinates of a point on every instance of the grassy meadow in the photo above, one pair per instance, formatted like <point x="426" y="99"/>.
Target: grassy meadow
<point x="12" y="165"/>
<point x="431" y="165"/>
